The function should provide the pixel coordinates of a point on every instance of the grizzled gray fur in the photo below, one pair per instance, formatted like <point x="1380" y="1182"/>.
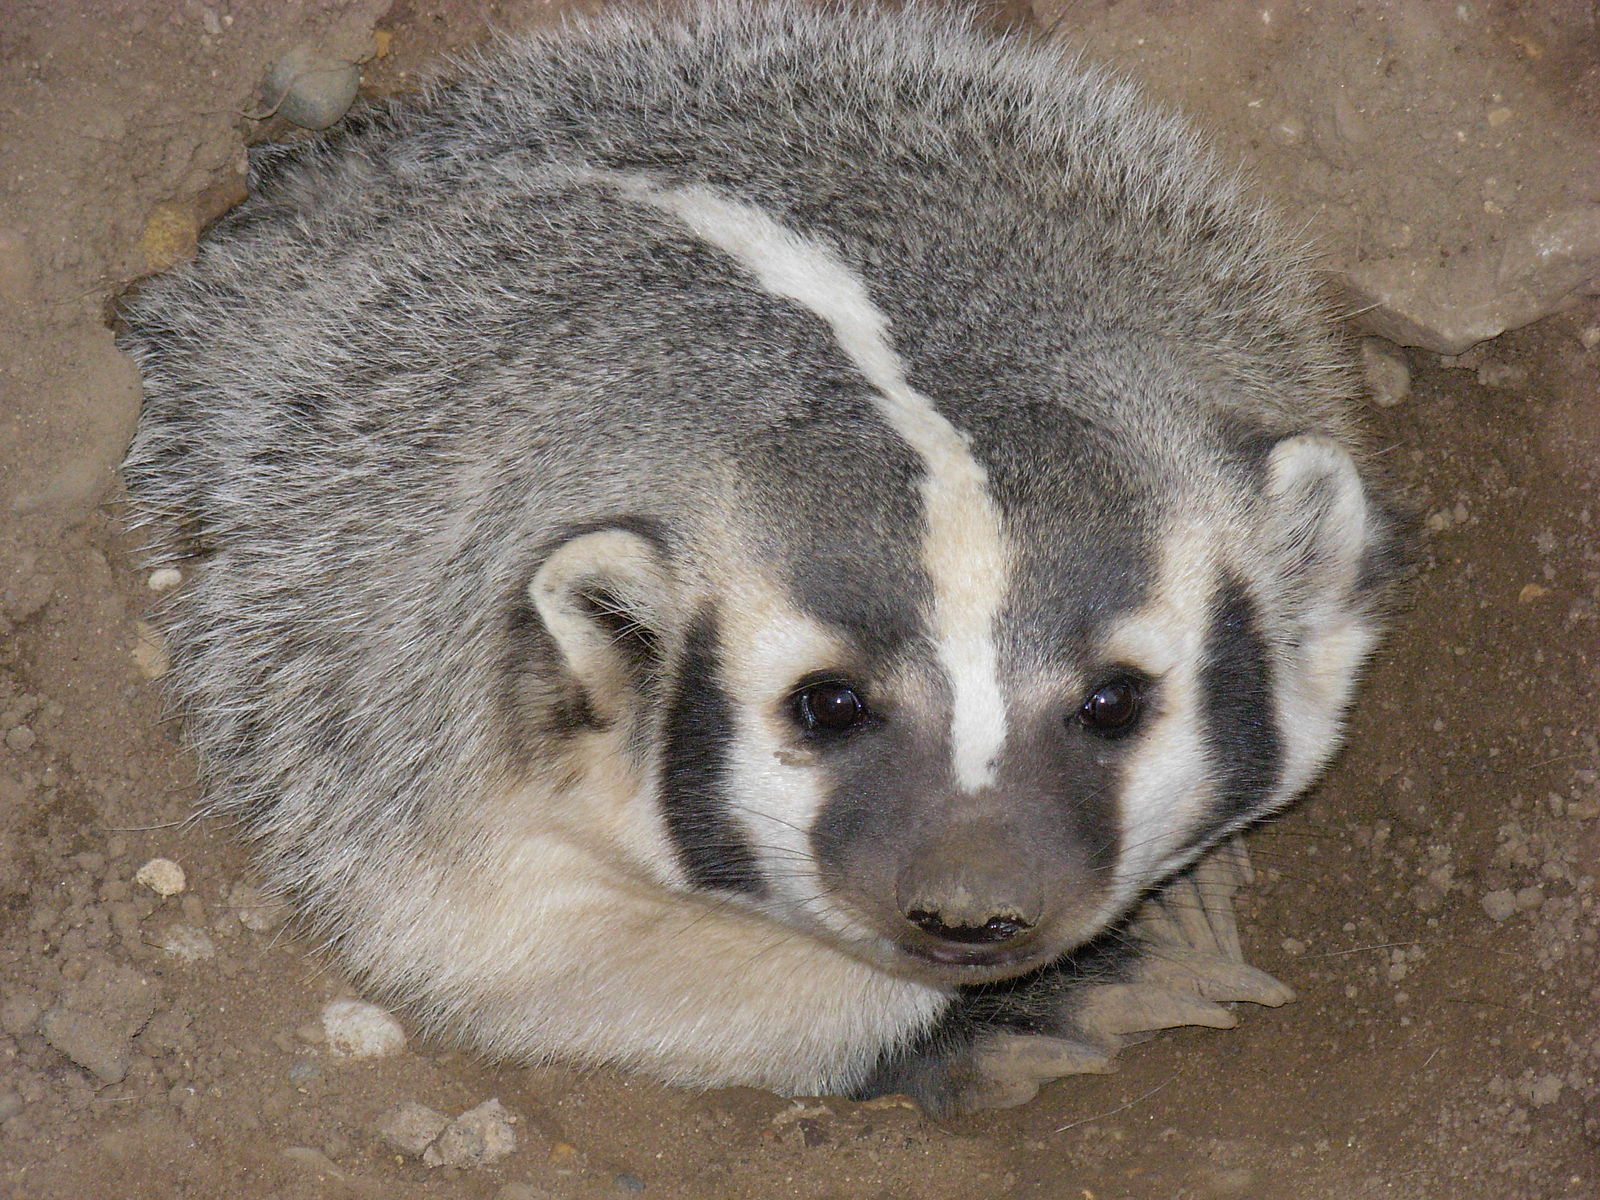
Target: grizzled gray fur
<point x="740" y="544"/>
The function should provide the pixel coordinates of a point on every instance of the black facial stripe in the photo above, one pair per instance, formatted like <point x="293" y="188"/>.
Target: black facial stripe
<point x="1241" y="730"/>
<point x="694" y="770"/>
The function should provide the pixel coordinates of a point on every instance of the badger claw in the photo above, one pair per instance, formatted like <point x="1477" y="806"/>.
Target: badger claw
<point x="1189" y="968"/>
<point x="1191" y="964"/>
<point x="1010" y="1068"/>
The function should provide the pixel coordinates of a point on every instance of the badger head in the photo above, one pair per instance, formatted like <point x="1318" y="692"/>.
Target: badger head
<point x="956" y="734"/>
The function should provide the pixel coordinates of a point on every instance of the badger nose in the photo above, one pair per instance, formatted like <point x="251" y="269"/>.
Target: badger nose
<point x="968" y="901"/>
<point x="1001" y="927"/>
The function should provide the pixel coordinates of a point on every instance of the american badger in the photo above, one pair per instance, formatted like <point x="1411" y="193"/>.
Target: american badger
<point x="744" y="544"/>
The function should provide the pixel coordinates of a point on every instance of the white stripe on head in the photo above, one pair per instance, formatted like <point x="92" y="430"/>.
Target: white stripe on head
<point x="964" y="550"/>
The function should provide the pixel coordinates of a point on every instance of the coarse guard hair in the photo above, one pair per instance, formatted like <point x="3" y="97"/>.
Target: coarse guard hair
<point x="738" y="542"/>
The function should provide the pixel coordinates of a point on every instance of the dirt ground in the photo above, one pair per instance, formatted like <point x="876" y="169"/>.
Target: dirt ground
<point x="1434" y="901"/>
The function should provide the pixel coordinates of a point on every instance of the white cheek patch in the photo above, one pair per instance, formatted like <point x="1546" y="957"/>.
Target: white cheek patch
<point x="964" y="550"/>
<point x="1313" y="695"/>
<point x="1165" y="790"/>
<point x="766" y="645"/>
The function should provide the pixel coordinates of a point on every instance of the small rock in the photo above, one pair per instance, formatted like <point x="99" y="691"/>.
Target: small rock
<point x="411" y="1128"/>
<point x="149" y="651"/>
<point x="1501" y="375"/>
<point x="476" y="1138"/>
<point x="255" y="911"/>
<point x="94" y="1044"/>
<point x="186" y="943"/>
<point x="310" y="89"/>
<point x="304" y="1070"/>
<point x="312" y="1159"/>
<point x="628" y="1183"/>
<point x="1530" y="898"/>
<point x="171" y="234"/>
<point x="1545" y="1090"/>
<point x="356" y="1029"/>
<point x="162" y="876"/>
<point x="1500" y="905"/>
<point x="1387" y="371"/>
<point x="19" y="739"/>
<point x="164" y="579"/>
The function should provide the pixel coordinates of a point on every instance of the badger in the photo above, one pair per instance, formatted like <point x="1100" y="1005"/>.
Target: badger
<point x="753" y="543"/>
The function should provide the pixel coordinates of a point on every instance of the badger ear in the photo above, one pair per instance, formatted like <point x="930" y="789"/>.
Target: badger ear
<point x="1327" y="534"/>
<point x="1323" y="523"/>
<point x="607" y="598"/>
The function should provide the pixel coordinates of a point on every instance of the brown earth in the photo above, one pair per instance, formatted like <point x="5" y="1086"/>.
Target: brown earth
<point x="1434" y="901"/>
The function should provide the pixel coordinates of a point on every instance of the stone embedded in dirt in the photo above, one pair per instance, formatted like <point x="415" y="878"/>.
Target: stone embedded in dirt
<point x="162" y="876"/>
<point x="310" y="88"/>
<point x="93" y="1043"/>
<point x="411" y="1128"/>
<point x="524" y="1191"/>
<point x="1503" y="376"/>
<point x="186" y="943"/>
<point x="1387" y="371"/>
<point x="98" y="1017"/>
<point x="476" y="1138"/>
<point x="256" y="911"/>
<point x="356" y="1029"/>
<point x="149" y="651"/>
<point x="1451" y="305"/>
<point x="1500" y="905"/>
<point x="313" y="1160"/>
<point x="164" y="579"/>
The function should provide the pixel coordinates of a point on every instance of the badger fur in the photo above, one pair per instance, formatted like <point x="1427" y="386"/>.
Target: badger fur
<point x="737" y="544"/>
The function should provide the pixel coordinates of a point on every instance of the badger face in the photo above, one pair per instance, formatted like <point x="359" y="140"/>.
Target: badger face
<point x="960" y="795"/>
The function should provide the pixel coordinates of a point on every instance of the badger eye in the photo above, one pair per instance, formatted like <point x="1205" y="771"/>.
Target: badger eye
<point x="829" y="708"/>
<point x="1114" y="707"/>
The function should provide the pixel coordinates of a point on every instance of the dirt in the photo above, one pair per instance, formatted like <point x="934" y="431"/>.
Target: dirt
<point x="1434" y="901"/>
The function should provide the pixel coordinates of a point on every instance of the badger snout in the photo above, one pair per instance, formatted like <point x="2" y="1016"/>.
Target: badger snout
<point x="983" y="898"/>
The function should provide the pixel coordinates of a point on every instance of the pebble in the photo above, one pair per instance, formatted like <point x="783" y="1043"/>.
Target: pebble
<point x="356" y="1029"/>
<point x="411" y="1128"/>
<point x="312" y="1159"/>
<point x="629" y="1183"/>
<point x="171" y="234"/>
<point x="1500" y="905"/>
<point x="162" y="876"/>
<point x="1546" y="1089"/>
<point x="1387" y="371"/>
<point x="19" y="739"/>
<point x="476" y="1138"/>
<point x="164" y="579"/>
<point x="149" y="651"/>
<point x="310" y="89"/>
<point x="1506" y="376"/>
<point x="187" y="944"/>
<point x="255" y="911"/>
<point x="92" y="1042"/>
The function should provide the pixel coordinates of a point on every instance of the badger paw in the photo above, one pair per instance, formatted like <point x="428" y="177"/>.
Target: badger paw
<point x="1189" y="963"/>
<point x="1188" y="968"/>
